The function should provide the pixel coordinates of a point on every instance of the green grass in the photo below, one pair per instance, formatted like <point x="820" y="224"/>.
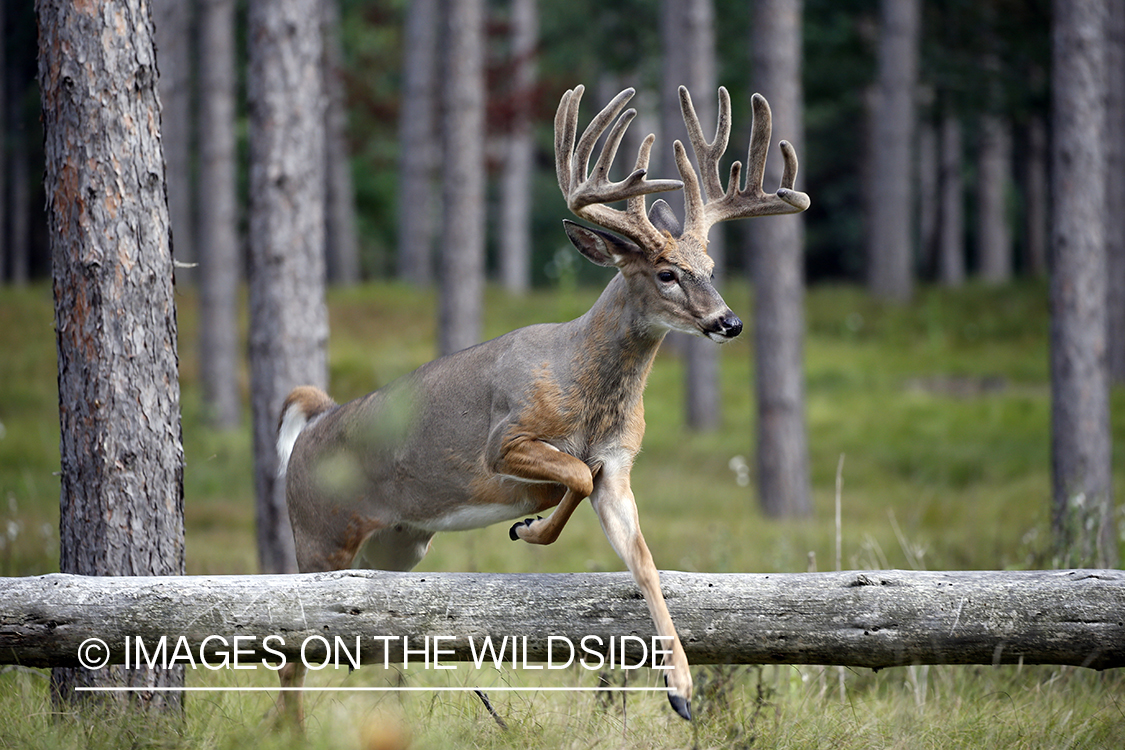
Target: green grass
<point x="941" y="410"/>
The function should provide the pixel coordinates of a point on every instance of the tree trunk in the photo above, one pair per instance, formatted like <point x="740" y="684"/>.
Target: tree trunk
<point x="994" y="166"/>
<point x="777" y="264"/>
<point x="18" y="174"/>
<point x="688" y="34"/>
<point x="929" y="192"/>
<point x="173" y="40"/>
<point x="1038" y="202"/>
<point x="288" y="317"/>
<point x="516" y="183"/>
<point x="1083" y="519"/>
<point x="871" y="618"/>
<point x="340" y="230"/>
<point x="1115" y="187"/>
<point x="219" y="257"/>
<point x="4" y="171"/>
<point x="121" y="505"/>
<point x="890" y="264"/>
<point x="418" y="150"/>
<point x="463" y="209"/>
<point x="951" y="249"/>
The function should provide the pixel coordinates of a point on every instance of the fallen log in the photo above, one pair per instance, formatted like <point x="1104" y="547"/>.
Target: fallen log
<point x="859" y="618"/>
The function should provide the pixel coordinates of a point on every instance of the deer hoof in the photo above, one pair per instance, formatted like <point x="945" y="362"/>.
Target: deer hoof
<point x="680" y="705"/>
<point x="525" y="522"/>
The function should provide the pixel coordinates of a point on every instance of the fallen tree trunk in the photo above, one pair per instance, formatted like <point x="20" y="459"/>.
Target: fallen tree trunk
<point x="862" y="619"/>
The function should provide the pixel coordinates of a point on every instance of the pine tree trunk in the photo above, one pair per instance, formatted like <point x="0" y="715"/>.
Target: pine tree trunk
<point x="4" y="252"/>
<point x="994" y="166"/>
<point x="516" y="185"/>
<point x="1084" y="521"/>
<point x="890" y="270"/>
<point x="418" y="151"/>
<point x="1038" y="203"/>
<point x="18" y="175"/>
<point x="777" y="264"/>
<point x="951" y="249"/>
<point x="121" y="452"/>
<point x="219" y="257"/>
<point x="463" y="210"/>
<point x="340" y="237"/>
<point x="288" y="317"/>
<point x="929" y="191"/>
<point x="1115" y="188"/>
<point x="173" y="41"/>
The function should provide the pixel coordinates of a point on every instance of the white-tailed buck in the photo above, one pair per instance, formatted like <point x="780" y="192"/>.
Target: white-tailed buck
<point x="545" y="416"/>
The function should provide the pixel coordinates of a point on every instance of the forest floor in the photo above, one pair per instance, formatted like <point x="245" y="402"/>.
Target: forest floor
<point x="941" y="413"/>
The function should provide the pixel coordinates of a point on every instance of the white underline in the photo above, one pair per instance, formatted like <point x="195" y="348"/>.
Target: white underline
<point x="406" y="689"/>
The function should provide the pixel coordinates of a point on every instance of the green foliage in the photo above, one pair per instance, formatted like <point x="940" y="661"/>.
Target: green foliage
<point x="941" y="410"/>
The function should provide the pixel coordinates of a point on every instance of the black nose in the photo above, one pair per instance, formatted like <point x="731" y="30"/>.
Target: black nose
<point x="730" y="326"/>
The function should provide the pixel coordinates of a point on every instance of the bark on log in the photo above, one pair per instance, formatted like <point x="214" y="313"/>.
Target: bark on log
<point x="870" y="619"/>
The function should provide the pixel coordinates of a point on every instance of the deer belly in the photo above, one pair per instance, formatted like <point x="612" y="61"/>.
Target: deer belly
<point x="477" y="516"/>
<point x="499" y="499"/>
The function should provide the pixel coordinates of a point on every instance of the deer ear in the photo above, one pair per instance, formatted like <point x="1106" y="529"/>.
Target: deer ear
<point x="664" y="218"/>
<point x="600" y="247"/>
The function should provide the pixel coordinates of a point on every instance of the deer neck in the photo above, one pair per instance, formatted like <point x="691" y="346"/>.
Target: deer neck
<point x="615" y="346"/>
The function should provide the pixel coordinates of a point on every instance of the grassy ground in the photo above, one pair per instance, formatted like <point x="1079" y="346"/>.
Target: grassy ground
<point x="940" y="409"/>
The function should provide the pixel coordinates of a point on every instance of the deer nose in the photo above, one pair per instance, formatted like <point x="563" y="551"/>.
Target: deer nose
<point x="729" y="325"/>
<point x="724" y="328"/>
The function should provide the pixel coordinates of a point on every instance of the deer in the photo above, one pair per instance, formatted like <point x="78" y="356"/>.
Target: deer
<point x="544" y="416"/>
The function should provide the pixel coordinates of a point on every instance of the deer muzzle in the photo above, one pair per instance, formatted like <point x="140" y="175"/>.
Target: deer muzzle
<point x="723" y="327"/>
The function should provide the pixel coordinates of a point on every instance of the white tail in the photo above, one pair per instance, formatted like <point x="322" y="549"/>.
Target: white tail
<point x="545" y="416"/>
<point x="301" y="406"/>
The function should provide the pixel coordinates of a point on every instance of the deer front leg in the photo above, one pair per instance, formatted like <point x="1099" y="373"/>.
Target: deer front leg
<point x="538" y="461"/>
<point x="617" y="510"/>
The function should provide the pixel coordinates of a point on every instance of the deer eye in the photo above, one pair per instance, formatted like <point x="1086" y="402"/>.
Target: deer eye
<point x="666" y="276"/>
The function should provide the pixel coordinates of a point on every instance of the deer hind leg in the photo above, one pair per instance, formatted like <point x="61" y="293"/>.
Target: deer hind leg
<point x="537" y="461"/>
<point x="617" y="511"/>
<point x="383" y="548"/>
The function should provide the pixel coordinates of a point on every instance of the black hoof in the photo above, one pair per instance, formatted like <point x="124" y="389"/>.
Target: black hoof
<point x="512" y="531"/>
<point x="680" y="706"/>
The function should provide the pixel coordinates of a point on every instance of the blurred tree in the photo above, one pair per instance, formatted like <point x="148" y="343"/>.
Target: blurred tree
<point x="1115" y="187"/>
<point x="519" y="157"/>
<point x="890" y="260"/>
<point x="951" y="248"/>
<point x="173" y="40"/>
<point x="121" y="505"/>
<point x="342" y="246"/>
<point x="4" y="251"/>
<point x="994" y="166"/>
<point x="418" y="143"/>
<point x="929" y="185"/>
<point x="461" y="273"/>
<point x="777" y="267"/>
<point x="688" y="59"/>
<point x="20" y="140"/>
<point x="1037" y="204"/>
<point x="1083" y="520"/>
<point x="219" y="257"/>
<point x="288" y="317"/>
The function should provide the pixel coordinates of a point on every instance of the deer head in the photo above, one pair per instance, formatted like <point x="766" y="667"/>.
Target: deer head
<point x="662" y="260"/>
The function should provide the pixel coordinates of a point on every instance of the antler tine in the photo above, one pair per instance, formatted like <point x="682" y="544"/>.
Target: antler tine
<point x="734" y="203"/>
<point x="594" y="131"/>
<point x="707" y="154"/>
<point x="586" y="193"/>
<point x="786" y="200"/>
